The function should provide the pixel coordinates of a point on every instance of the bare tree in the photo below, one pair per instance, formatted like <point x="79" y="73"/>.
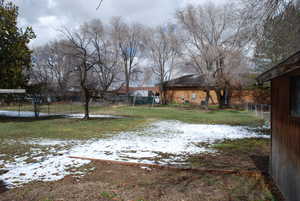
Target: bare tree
<point x="128" y="40"/>
<point x="40" y="73"/>
<point x="106" y="58"/>
<point x="211" y="33"/>
<point x="162" y="46"/>
<point x="100" y="3"/>
<point x="60" y="66"/>
<point x="259" y="12"/>
<point x="80" y="50"/>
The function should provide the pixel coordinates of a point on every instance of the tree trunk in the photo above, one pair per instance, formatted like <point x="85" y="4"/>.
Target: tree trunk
<point x="127" y="80"/>
<point x="163" y="94"/>
<point x="86" y="103"/>
<point x="224" y="97"/>
<point x="207" y="97"/>
<point x="36" y="109"/>
<point x="127" y="90"/>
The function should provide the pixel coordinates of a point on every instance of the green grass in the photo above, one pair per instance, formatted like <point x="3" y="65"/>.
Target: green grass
<point x="243" y="146"/>
<point x="136" y="117"/>
<point x="188" y="115"/>
<point x="19" y="129"/>
<point x="238" y="154"/>
<point x="63" y="128"/>
<point x="185" y="113"/>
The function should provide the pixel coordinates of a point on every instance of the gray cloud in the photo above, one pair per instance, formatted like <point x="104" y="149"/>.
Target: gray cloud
<point x="46" y="16"/>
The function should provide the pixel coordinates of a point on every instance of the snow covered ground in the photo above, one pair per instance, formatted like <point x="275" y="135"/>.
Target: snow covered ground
<point x="172" y="138"/>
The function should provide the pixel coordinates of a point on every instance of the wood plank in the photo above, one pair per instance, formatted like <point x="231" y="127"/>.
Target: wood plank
<point x="157" y="166"/>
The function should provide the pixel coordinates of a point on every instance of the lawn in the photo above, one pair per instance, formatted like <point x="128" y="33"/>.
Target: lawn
<point x="138" y="184"/>
<point x="17" y="129"/>
<point x="188" y="115"/>
<point x="136" y="117"/>
<point x="65" y="128"/>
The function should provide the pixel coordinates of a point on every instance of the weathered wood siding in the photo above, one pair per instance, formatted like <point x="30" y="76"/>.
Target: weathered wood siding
<point x="285" y="160"/>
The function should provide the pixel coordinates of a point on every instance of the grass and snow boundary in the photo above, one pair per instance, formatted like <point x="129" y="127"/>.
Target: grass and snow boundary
<point x="163" y="142"/>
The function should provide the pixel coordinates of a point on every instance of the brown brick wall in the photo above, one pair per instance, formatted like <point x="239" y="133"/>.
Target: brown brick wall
<point x="195" y="96"/>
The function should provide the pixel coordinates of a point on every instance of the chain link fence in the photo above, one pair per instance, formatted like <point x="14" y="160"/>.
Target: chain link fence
<point x="261" y="110"/>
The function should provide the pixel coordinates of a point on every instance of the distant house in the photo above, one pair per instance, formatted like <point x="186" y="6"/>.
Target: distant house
<point x="191" y="89"/>
<point x="139" y="91"/>
<point x="137" y="95"/>
<point x="188" y="89"/>
<point x="285" y="118"/>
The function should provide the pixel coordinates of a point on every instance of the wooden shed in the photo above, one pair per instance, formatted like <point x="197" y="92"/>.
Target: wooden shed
<point x="285" y="124"/>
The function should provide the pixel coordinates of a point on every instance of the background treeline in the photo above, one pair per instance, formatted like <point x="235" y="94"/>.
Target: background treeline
<point x="226" y="44"/>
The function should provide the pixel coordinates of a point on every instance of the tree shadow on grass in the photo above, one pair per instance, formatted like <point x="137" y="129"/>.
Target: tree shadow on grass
<point x="6" y="119"/>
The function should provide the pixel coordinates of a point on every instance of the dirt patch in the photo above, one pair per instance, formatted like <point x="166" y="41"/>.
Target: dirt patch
<point x="119" y="182"/>
<point x="237" y="154"/>
<point x="240" y="155"/>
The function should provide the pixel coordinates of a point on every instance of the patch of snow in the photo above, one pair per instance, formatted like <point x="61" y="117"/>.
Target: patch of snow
<point x="7" y="113"/>
<point x="146" y="168"/>
<point x="51" y="168"/>
<point x="49" y="142"/>
<point x="171" y="137"/>
<point x="164" y="142"/>
<point x="80" y="116"/>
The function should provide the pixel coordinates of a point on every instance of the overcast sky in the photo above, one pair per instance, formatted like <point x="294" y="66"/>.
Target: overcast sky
<point x="46" y="16"/>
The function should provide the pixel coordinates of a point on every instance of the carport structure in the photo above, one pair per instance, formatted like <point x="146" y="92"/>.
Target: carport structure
<point x="13" y="92"/>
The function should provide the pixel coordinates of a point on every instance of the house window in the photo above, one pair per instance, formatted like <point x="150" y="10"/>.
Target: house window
<point x="194" y="96"/>
<point x="295" y="96"/>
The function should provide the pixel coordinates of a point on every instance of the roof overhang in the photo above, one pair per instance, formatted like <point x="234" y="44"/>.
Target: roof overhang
<point x="187" y="86"/>
<point x="290" y="64"/>
<point x="187" y="81"/>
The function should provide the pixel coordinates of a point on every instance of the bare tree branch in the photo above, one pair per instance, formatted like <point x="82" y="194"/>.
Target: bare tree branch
<point x="101" y="1"/>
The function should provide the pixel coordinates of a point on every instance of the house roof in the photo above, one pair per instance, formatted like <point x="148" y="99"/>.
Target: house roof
<point x="290" y="64"/>
<point x="195" y="81"/>
<point x="122" y="90"/>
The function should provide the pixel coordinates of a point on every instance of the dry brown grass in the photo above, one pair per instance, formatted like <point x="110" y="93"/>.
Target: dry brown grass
<point x="117" y="182"/>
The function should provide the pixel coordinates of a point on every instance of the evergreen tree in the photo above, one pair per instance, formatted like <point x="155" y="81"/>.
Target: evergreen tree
<point x="15" y="56"/>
